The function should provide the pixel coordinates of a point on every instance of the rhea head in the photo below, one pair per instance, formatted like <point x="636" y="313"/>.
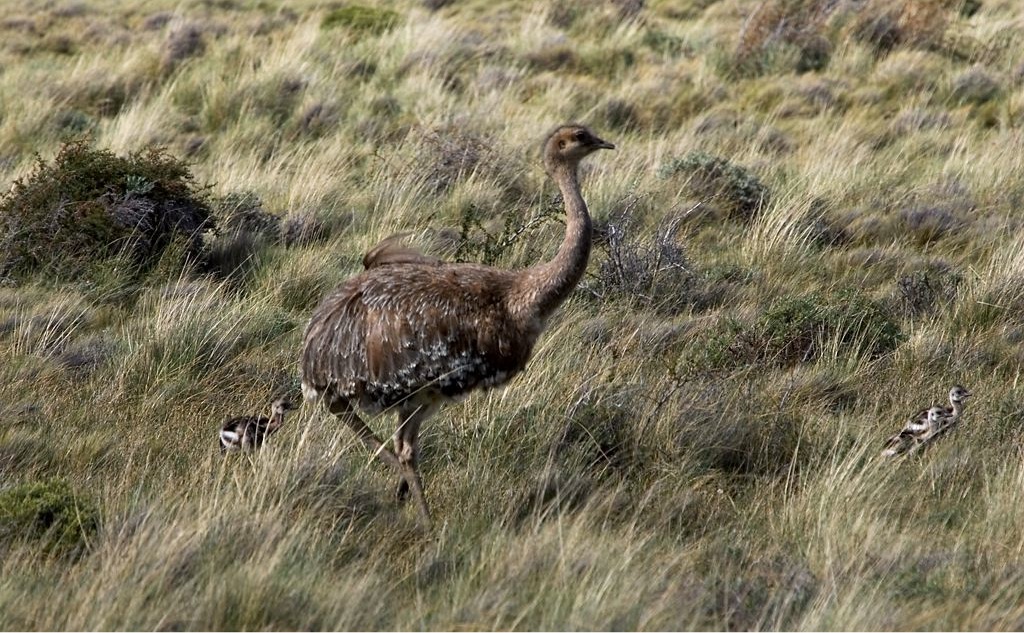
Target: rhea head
<point x="281" y="405"/>
<point x="958" y="394"/>
<point x="568" y="144"/>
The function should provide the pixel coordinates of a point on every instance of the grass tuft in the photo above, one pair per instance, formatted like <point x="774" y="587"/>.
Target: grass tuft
<point x="360" y="19"/>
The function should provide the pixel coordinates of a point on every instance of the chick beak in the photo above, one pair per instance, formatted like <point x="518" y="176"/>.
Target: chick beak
<point x="602" y="144"/>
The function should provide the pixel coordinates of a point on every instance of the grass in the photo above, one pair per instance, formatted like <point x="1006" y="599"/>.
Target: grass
<point x="809" y="230"/>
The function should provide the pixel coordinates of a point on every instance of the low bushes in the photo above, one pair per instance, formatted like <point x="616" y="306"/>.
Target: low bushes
<point x="48" y="512"/>
<point x="727" y="185"/>
<point x="89" y="206"/>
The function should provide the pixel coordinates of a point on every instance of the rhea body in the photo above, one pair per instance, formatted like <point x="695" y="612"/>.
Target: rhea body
<point x="411" y="332"/>
<point x="248" y="432"/>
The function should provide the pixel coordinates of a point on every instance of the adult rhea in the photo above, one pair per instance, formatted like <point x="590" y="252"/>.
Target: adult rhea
<point x="411" y="332"/>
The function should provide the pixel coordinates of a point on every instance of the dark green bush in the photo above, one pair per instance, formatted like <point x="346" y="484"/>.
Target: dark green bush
<point x="794" y="330"/>
<point x="730" y="186"/>
<point x="714" y="350"/>
<point x="790" y="330"/>
<point x="89" y="206"/>
<point x="48" y="512"/>
<point x="361" y="19"/>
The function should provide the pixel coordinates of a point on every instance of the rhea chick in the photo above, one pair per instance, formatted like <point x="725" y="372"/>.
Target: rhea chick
<point x="928" y="424"/>
<point x="247" y="432"/>
<point x="915" y="432"/>
<point x="950" y="417"/>
<point x="957" y="399"/>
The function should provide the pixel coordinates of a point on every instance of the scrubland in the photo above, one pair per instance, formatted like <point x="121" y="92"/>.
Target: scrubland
<point x="810" y="229"/>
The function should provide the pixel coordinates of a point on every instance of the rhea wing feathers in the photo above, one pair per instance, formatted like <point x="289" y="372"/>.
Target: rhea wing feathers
<point x="407" y="330"/>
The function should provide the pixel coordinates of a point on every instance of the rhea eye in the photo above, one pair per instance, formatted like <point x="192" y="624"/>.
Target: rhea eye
<point x="580" y="135"/>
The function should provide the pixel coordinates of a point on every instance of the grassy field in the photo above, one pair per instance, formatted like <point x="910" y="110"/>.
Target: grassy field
<point x="812" y="228"/>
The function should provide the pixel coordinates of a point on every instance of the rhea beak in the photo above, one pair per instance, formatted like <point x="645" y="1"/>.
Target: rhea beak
<point x="604" y="144"/>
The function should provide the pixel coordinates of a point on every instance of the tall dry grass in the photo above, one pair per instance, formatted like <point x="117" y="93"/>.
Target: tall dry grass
<point x="703" y="456"/>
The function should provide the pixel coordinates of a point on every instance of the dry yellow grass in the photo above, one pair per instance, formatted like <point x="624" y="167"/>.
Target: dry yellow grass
<point x="704" y="456"/>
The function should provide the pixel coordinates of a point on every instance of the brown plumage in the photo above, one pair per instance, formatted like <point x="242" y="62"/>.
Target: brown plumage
<point x="391" y="250"/>
<point x="247" y="432"/>
<point x="411" y="332"/>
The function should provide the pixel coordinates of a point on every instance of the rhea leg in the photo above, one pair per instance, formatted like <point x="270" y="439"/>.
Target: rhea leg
<point x="341" y="408"/>
<point x="407" y="452"/>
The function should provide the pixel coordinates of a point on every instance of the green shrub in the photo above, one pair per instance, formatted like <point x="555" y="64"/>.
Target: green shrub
<point x="730" y="186"/>
<point x="714" y="350"/>
<point x="360" y="19"/>
<point x="791" y="330"/>
<point x="89" y="206"/>
<point x="797" y="330"/>
<point x="49" y="512"/>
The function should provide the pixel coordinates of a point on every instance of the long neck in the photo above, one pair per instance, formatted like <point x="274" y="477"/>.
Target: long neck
<point x="958" y="407"/>
<point x="547" y="285"/>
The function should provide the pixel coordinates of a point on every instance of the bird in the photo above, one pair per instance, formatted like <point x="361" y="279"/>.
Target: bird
<point x="958" y="396"/>
<point x="928" y="424"/>
<point x="914" y="433"/>
<point x="247" y="432"/>
<point x="410" y="333"/>
<point x="950" y="417"/>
